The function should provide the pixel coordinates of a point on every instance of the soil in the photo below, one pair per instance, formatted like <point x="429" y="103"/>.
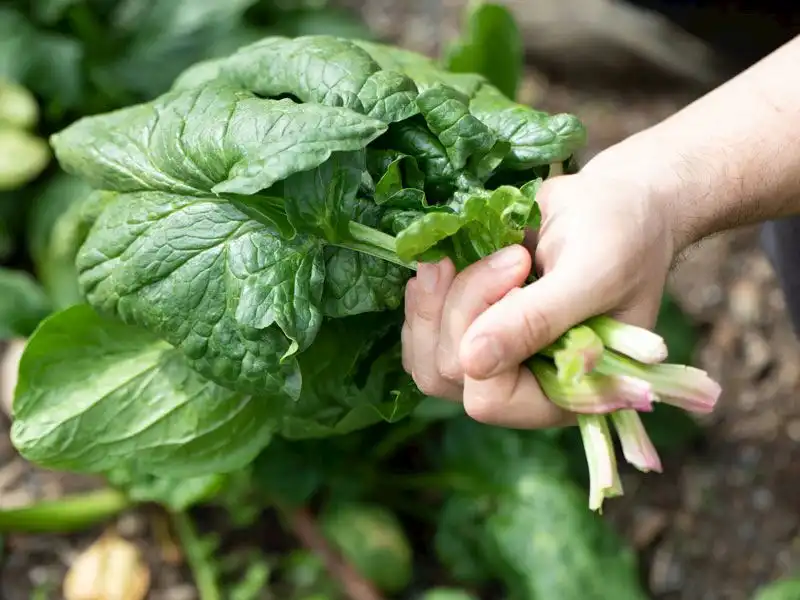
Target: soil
<point x="720" y="522"/>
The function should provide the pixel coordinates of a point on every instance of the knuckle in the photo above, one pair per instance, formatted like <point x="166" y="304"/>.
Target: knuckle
<point x="428" y="309"/>
<point x="479" y="408"/>
<point x="450" y="367"/>
<point x="429" y="383"/>
<point x="537" y="328"/>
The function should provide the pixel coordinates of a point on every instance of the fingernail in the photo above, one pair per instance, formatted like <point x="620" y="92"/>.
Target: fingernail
<point x="428" y="277"/>
<point x="505" y="258"/>
<point x="483" y="356"/>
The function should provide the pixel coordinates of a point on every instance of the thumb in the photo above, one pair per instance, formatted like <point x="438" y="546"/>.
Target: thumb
<point x="527" y="320"/>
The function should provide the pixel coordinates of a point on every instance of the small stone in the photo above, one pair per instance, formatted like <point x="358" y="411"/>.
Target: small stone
<point x="757" y="353"/>
<point x="131" y="525"/>
<point x="793" y="430"/>
<point x="762" y="499"/>
<point x="745" y="302"/>
<point x="648" y="523"/>
<point x="666" y="574"/>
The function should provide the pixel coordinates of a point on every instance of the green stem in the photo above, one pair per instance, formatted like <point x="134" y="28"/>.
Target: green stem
<point x="67" y="514"/>
<point x="375" y="243"/>
<point x="202" y="570"/>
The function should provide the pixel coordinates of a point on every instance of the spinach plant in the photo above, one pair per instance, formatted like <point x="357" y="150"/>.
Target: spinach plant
<point x="228" y="262"/>
<point x="251" y="233"/>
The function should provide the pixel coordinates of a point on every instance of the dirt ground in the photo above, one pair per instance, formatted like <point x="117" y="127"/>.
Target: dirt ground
<point x="721" y="521"/>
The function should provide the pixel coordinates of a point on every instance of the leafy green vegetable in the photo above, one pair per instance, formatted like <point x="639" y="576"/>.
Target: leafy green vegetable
<point x="526" y="520"/>
<point x="94" y="394"/>
<point x="22" y="304"/>
<point x="372" y="538"/>
<point x="490" y="44"/>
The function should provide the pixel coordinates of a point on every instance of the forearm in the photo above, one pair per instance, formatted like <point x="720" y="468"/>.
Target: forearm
<point x="731" y="158"/>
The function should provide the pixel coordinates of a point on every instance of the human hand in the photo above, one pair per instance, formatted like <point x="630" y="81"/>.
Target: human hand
<point x="605" y="247"/>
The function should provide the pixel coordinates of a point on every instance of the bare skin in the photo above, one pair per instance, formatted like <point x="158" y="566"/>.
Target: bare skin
<point x="608" y="238"/>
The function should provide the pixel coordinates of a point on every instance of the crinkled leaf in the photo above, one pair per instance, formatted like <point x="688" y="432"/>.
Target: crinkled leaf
<point x="210" y="281"/>
<point x="485" y="222"/>
<point x="23" y="304"/>
<point x="447" y="114"/>
<point x="353" y="378"/>
<point x="413" y="138"/>
<point x="357" y="283"/>
<point x="395" y="173"/>
<point x="490" y="45"/>
<point x="527" y="523"/>
<point x="422" y="70"/>
<point x="316" y="69"/>
<point x="536" y="138"/>
<point x="213" y="139"/>
<point x="95" y="395"/>
<point x="319" y="202"/>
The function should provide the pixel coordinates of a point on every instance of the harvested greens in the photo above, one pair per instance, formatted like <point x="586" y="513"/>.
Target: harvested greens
<point x="245" y="252"/>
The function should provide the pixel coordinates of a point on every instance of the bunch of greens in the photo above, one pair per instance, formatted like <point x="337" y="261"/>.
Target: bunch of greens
<point x="225" y="266"/>
<point x="246" y="247"/>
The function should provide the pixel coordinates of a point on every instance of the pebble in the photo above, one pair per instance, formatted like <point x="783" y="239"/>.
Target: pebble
<point x="762" y="499"/>
<point x="131" y="525"/>
<point x="648" y="524"/>
<point x="757" y="353"/>
<point x="666" y="574"/>
<point x="744" y="299"/>
<point x="793" y="430"/>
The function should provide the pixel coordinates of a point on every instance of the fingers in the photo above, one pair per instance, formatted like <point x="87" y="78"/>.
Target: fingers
<point x="474" y="290"/>
<point x="425" y="299"/>
<point x="512" y="399"/>
<point x="526" y="321"/>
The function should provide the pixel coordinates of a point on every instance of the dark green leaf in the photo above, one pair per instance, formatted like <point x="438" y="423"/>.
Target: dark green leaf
<point x="319" y="202"/>
<point x="527" y="522"/>
<point x="211" y="282"/>
<point x="490" y="45"/>
<point x="447" y="114"/>
<point x="356" y="283"/>
<point x="22" y="304"/>
<point x="315" y="69"/>
<point x="352" y="379"/>
<point x="96" y="395"/>
<point x="536" y="138"/>
<point x="422" y="70"/>
<point x="208" y="140"/>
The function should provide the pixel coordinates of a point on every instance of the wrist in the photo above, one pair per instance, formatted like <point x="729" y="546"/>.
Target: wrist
<point x="679" y="185"/>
